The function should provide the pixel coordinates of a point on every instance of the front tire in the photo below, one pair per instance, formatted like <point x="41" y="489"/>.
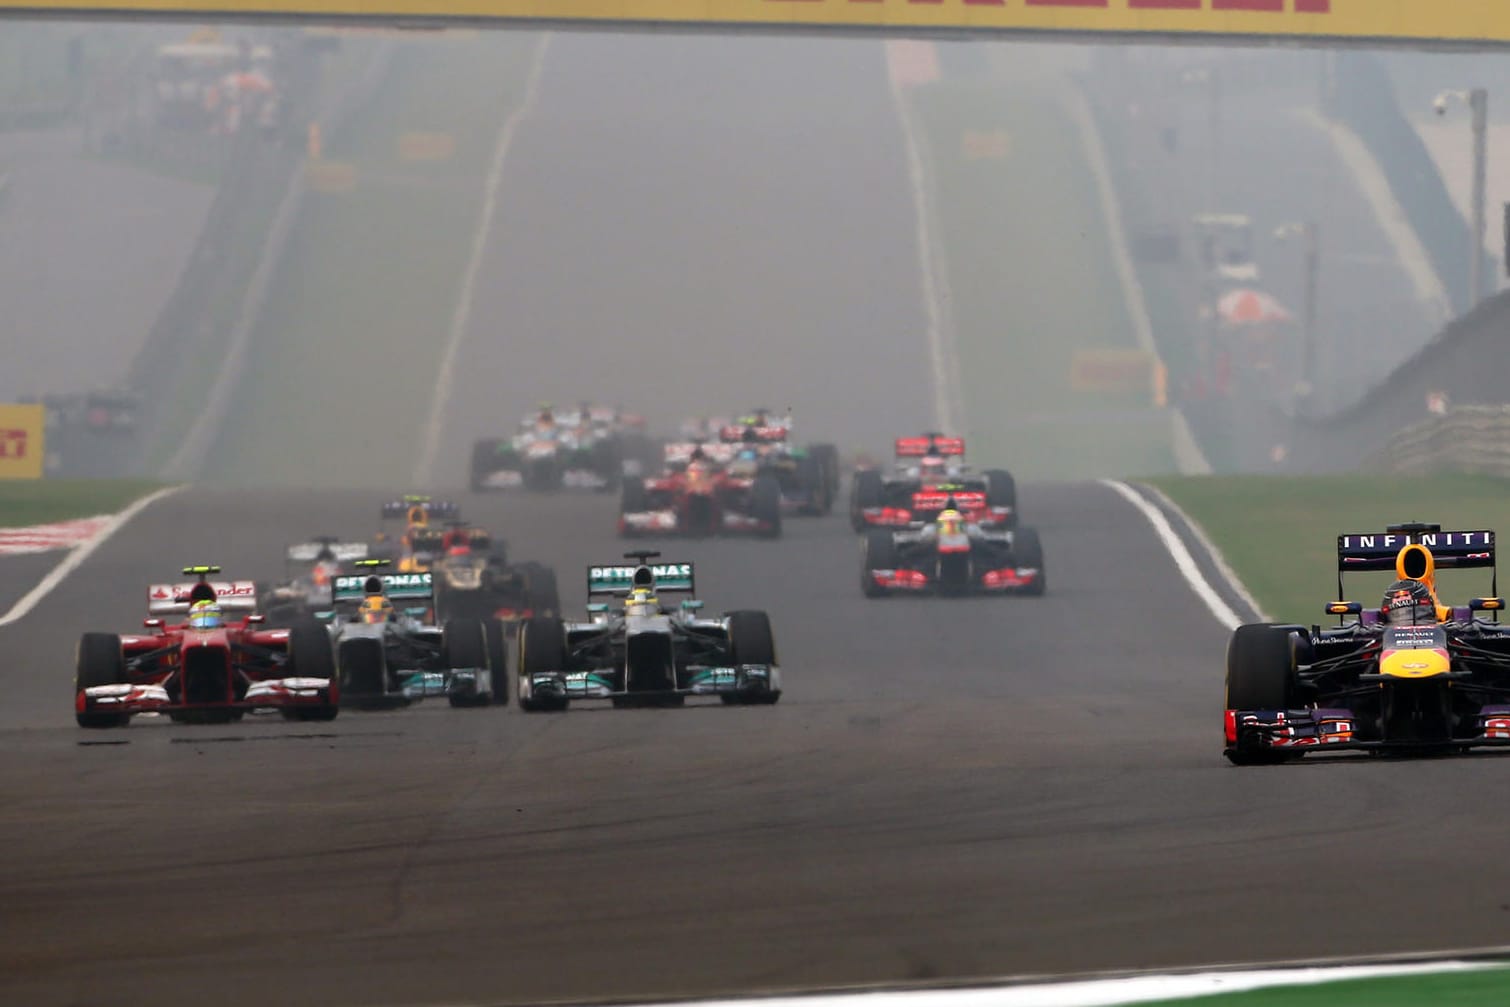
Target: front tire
<point x="100" y="661"/>
<point x="751" y="641"/>
<point x="866" y="492"/>
<point x="464" y="644"/>
<point x="1027" y="551"/>
<point x="1261" y="676"/>
<point x="765" y="504"/>
<point x="880" y="553"/>
<point x="542" y="650"/>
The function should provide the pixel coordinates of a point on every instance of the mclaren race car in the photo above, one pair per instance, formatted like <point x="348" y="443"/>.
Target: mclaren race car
<point x="635" y="650"/>
<point x="952" y="555"/>
<point x="211" y="668"/>
<point x="929" y="470"/>
<point x="1411" y="675"/>
<point x="388" y="656"/>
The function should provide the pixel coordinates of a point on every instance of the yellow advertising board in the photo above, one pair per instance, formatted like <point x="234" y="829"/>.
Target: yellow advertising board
<point x="1466" y="21"/>
<point x="22" y="448"/>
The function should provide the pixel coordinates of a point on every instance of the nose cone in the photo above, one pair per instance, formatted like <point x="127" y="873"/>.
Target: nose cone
<point x="1414" y="664"/>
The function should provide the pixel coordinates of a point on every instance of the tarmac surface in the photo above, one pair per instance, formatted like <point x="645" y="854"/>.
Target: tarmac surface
<point x="947" y="789"/>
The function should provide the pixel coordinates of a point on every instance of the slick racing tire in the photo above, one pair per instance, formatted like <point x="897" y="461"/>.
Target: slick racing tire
<point x="498" y="660"/>
<point x="311" y="655"/>
<point x="1261" y="676"/>
<point x="464" y="644"/>
<point x="751" y="641"/>
<point x="484" y="463"/>
<point x="765" y="504"/>
<point x="100" y="661"/>
<point x="1001" y="491"/>
<point x="878" y="553"/>
<point x="866" y="492"/>
<point x="541" y="594"/>
<point x="827" y="457"/>
<point x="542" y="648"/>
<point x="1027" y="550"/>
<point x="632" y="497"/>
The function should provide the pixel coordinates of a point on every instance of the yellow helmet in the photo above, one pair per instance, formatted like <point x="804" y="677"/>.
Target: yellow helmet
<point x="376" y="609"/>
<point x="950" y="520"/>
<point x="641" y="598"/>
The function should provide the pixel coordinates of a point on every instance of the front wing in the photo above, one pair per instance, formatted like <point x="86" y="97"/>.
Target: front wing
<point x="275" y="693"/>
<point x="1006" y="580"/>
<point x="1297" y="732"/>
<point x="744" y="680"/>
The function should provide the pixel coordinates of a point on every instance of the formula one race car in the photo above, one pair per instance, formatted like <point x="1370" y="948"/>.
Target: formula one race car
<point x="422" y="538"/>
<point x="928" y="471"/>
<point x="474" y="580"/>
<point x="638" y="652"/>
<point x="208" y="669"/>
<point x="1412" y="675"/>
<point x="567" y="450"/>
<point x="952" y="556"/>
<point x="388" y="657"/>
<point x="702" y="496"/>
<point x="309" y="569"/>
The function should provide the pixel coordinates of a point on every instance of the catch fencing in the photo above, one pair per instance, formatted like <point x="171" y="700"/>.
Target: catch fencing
<point x="1474" y="440"/>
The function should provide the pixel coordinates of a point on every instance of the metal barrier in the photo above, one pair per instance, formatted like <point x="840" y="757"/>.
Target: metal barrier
<point x="1473" y="440"/>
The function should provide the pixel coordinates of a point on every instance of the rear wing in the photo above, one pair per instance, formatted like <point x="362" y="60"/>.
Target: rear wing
<point x="174" y="599"/>
<point x="672" y="578"/>
<point x="930" y="444"/>
<point x="737" y="433"/>
<point x="438" y="509"/>
<point x="397" y="586"/>
<point x="429" y="540"/>
<point x="309" y="552"/>
<point x="1451" y="550"/>
<point x="680" y="452"/>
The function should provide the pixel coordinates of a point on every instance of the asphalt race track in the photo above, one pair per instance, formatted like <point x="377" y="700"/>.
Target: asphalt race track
<point x="946" y="789"/>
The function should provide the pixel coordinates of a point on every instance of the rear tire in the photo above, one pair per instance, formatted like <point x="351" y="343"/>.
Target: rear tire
<point x="879" y="553"/>
<point x="100" y="661"/>
<point x="828" y="463"/>
<point x="542" y="649"/>
<point x="1001" y="491"/>
<point x="866" y="492"/>
<point x="498" y="661"/>
<point x="765" y="504"/>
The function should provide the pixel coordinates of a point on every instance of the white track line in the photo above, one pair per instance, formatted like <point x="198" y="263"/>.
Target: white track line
<point x="1218" y="560"/>
<point x="462" y="315"/>
<point x="1181" y="556"/>
<point x="77" y="556"/>
<point x="1189" y="458"/>
<point x="943" y="354"/>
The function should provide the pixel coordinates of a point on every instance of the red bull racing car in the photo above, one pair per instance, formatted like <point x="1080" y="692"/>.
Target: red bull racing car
<point x="1411" y="675"/>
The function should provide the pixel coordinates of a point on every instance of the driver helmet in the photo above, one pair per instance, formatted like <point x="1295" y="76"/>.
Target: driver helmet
<point x="950" y="521"/>
<point x="1408" y="603"/>
<point x="376" y="608"/>
<point x="205" y="615"/>
<point x="642" y="601"/>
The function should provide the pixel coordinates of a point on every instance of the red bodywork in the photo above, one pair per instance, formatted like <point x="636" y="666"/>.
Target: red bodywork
<point x="928" y="500"/>
<point x="701" y="499"/>
<point x="209" y="675"/>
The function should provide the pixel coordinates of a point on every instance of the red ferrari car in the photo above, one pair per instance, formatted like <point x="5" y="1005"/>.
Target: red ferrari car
<point x="209" y="668"/>
<point x="702" y="493"/>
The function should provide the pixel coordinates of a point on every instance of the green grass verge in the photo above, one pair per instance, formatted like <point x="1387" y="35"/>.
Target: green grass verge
<point x="362" y="297"/>
<point x="1279" y="534"/>
<point x="1488" y="988"/>
<point x="44" y="501"/>
<point x="1031" y="282"/>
